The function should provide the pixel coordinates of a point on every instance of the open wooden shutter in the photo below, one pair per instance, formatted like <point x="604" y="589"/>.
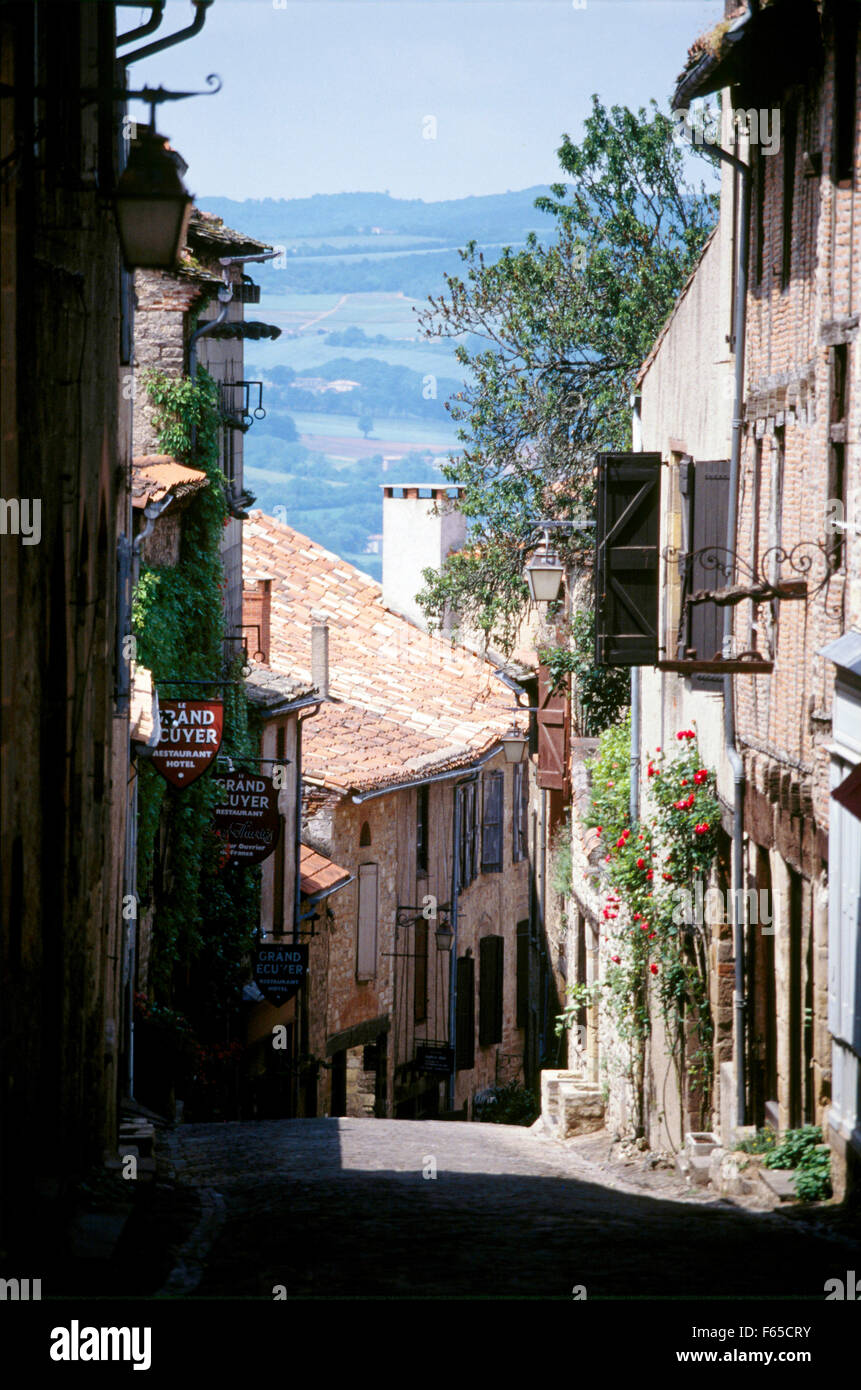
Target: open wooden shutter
<point x="554" y="724"/>
<point x="491" y="827"/>
<point x="626" y="559"/>
<point x="519" y="812"/>
<point x="709" y="482"/>
<point x="366" y="936"/>
<point x="465" y="1014"/>
<point x="490" y="990"/>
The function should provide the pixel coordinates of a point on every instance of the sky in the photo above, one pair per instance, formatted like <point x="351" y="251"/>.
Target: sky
<point x="429" y="99"/>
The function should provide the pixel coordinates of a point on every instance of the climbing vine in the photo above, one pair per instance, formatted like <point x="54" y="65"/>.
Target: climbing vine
<point x="653" y="876"/>
<point x="206" y="913"/>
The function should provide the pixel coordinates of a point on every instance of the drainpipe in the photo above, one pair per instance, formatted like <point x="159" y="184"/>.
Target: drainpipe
<point x="224" y="297"/>
<point x="732" y="753"/>
<point x="156" y="8"/>
<point x="159" y="45"/>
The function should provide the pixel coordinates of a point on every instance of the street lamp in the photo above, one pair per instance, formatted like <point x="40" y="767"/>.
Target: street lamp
<point x="152" y="204"/>
<point x="514" y="744"/>
<point x="444" y="935"/>
<point x="544" y="574"/>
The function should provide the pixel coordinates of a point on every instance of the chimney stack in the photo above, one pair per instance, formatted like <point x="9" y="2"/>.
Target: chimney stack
<point x="256" y="617"/>
<point x="415" y="538"/>
<point x="320" y="653"/>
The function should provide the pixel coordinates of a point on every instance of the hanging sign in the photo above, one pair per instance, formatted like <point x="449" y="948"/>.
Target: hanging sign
<point x="246" y="817"/>
<point x="190" y="738"/>
<point x="435" y="1058"/>
<point x="279" y="970"/>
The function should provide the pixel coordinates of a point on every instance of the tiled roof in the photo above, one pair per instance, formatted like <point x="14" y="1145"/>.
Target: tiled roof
<point x="155" y="475"/>
<point x="267" y="689"/>
<point x="207" y="230"/>
<point x="403" y="704"/>
<point x="319" y="875"/>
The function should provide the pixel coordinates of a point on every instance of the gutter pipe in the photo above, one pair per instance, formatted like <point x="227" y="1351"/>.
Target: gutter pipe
<point x="159" y="45"/>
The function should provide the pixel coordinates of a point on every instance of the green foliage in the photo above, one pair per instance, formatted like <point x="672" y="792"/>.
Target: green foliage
<point x="561" y="863"/>
<point x="202" y="915"/>
<point x="600" y="692"/>
<point x="511" y="1104"/>
<point x="762" y="1143"/>
<point x="652" y="949"/>
<point x="802" y="1150"/>
<point x="562" y="329"/>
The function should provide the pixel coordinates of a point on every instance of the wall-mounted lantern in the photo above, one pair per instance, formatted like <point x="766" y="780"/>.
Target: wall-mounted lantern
<point x="444" y="935"/>
<point x="514" y="744"/>
<point x="544" y="574"/>
<point x="152" y="204"/>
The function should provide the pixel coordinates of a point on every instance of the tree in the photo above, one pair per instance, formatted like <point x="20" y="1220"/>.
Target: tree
<point x="366" y="424"/>
<point x="556" y="335"/>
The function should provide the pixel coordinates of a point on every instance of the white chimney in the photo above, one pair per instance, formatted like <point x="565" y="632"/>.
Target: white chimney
<point x="320" y="653"/>
<point x="415" y="539"/>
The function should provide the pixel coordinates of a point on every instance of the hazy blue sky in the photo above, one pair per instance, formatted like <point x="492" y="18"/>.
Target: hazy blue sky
<point x="331" y="96"/>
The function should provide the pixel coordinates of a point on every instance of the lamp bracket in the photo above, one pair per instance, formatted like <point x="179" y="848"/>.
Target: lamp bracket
<point x="152" y="96"/>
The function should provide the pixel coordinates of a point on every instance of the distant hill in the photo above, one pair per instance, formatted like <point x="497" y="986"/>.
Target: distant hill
<point x="492" y="217"/>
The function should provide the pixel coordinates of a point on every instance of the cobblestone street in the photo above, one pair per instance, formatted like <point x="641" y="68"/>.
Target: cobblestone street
<point x="341" y="1207"/>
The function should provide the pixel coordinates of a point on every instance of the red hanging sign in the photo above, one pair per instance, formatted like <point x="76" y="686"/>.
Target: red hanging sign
<point x="190" y="738"/>
<point x="246" y="818"/>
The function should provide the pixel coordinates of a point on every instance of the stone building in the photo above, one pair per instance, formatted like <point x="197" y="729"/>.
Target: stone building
<point x="795" y="545"/>
<point x="184" y="319"/>
<point x="406" y="788"/>
<point x="65" y="734"/>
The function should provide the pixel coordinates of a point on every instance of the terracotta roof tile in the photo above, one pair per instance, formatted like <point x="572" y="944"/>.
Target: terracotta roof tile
<point x="403" y="702"/>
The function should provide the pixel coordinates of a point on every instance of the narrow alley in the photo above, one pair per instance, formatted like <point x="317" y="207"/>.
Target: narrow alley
<point x="340" y="1208"/>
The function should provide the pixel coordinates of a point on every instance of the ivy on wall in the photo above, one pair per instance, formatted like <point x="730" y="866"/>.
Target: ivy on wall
<point x="653" y="946"/>
<point x="205" y="913"/>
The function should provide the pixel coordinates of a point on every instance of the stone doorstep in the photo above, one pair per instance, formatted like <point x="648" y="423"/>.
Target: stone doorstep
<point x="778" y="1182"/>
<point x="694" y="1168"/>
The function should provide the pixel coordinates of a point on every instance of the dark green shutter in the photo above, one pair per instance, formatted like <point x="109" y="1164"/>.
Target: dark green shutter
<point x="709" y="483"/>
<point x="491" y="829"/>
<point x="626" y="559"/>
<point x="465" y="1014"/>
<point x="490" y="990"/>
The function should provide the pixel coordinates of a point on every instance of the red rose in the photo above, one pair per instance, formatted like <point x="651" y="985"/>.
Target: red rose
<point x="654" y="969"/>
<point x="700" y="777"/>
<point x="641" y="863"/>
<point x="650" y="874"/>
<point x="617" y="960"/>
<point x="701" y="829"/>
<point x="652" y="936"/>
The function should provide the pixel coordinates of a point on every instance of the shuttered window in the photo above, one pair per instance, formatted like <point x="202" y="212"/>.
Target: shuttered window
<point x="465" y="1014"/>
<point x="705" y="483"/>
<point x="490" y="960"/>
<point x="626" y="559"/>
<point x="522" y="974"/>
<point x="491" y="827"/>
<point x="519" y="812"/>
<point x="366" y="934"/>
<point x="470" y="830"/>
<point x="554" y="725"/>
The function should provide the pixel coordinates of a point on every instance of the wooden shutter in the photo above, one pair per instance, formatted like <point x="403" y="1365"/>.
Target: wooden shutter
<point x="490" y="958"/>
<point x="626" y="559"/>
<point x="467" y="835"/>
<point x="554" y="725"/>
<point x="522" y="974"/>
<point x="709" y="483"/>
<point x="491" y="827"/>
<point x="366" y="935"/>
<point x="518" y="814"/>
<point x="475" y="839"/>
<point x="465" y="1014"/>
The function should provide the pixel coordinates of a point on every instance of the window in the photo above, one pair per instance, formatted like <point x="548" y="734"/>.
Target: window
<point x="522" y="1018"/>
<point x="469" y="833"/>
<point x="420" y="989"/>
<point x="845" y="66"/>
<point x="364" y="835"/>
<point x="490" y="955"/>
<point x="790" y="129"/>
<point x="422" y="830"/>
<point x="837" y="446"/>
<point x="366" y="933"/>
<point x="491" y="827"/>
<point x="465" y="1014"/>
<point x="520" y="813"/>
